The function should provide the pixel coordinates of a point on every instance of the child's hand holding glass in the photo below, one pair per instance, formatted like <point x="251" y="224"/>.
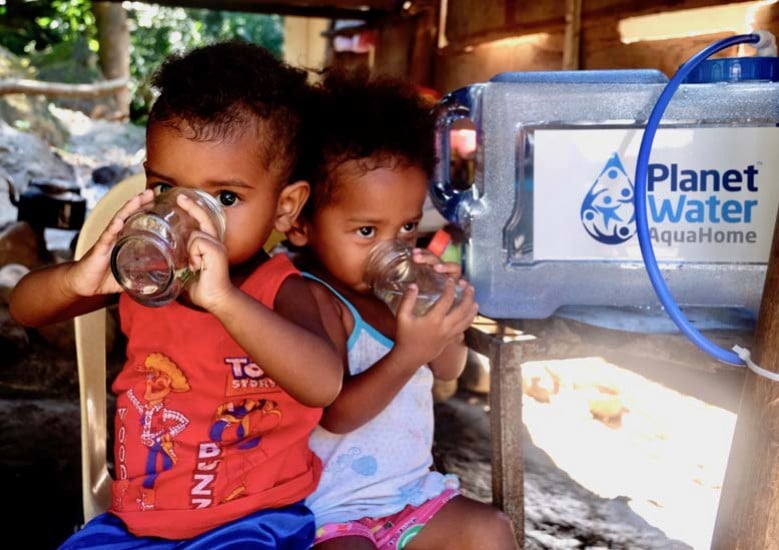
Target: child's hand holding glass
<point x="207" y="259"/>
<point x="424" y="256"/>
<point x="420" y="339"/>
<point x="151" y="257"/>
<point x="393" y="265"/>
<point x="91" y="275"/>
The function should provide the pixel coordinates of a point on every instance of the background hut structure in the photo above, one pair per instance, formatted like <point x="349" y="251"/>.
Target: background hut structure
<point x="445" y="44"/>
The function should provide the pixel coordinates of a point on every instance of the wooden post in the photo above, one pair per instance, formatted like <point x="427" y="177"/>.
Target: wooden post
<point x="573" y="23"/>
<point x="508" y="492"/>
<point x="508" y="468"/>
<point x="425" y="43"/>
<point x="748" y="515"/>
<point x="113" y="36"/>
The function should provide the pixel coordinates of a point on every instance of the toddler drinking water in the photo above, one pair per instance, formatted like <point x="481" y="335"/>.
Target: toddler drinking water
<point x="370" y="155"/>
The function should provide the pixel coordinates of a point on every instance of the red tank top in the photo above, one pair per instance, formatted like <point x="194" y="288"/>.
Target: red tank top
<point x="202" y="435"/>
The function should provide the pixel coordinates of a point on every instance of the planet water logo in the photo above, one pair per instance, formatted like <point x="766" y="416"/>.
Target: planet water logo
<point x="703" y="205"/>
<point x="608" y="213"/>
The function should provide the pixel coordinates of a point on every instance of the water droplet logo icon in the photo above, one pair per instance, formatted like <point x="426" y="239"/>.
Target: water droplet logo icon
<point x="607" y="212"/>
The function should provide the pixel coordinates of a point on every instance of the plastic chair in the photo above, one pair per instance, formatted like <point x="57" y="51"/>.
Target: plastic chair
<point x="91" y="356"/>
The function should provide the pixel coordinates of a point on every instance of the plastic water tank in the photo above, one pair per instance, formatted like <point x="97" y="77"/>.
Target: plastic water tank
<point x="549" y="215"/>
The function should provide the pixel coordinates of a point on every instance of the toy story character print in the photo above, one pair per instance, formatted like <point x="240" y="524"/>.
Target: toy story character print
<point x="239" y="426"/>
<point x="159" y="424"/>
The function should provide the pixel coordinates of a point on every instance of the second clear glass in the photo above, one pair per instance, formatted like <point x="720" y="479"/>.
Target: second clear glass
<point x="391" y="269"/>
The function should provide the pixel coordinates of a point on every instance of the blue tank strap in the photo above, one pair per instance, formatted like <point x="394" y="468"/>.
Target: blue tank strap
<point x="359" y="322"/>
<point x="352" y="309"/>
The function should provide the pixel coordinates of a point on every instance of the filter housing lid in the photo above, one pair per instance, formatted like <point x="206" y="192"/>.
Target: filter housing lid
<point x="735" y="69"/>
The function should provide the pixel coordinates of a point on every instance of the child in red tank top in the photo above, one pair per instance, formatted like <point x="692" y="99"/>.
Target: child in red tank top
<point x="222" y="387"/>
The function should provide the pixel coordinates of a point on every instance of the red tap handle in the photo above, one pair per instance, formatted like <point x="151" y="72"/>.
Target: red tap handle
<point x="439" y="242"/>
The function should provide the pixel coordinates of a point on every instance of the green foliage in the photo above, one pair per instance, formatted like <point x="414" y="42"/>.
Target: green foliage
<point x="56" y="33"/>
<point x="28" y="26"/>
<point x="69" y="61"/>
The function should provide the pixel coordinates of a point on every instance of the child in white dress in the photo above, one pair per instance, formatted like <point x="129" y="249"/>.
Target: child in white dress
<point x="370" y="157"/>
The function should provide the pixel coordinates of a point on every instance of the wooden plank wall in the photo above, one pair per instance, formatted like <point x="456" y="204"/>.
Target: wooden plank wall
<point x="406" y="45"/>
<point x="485" y="38"/>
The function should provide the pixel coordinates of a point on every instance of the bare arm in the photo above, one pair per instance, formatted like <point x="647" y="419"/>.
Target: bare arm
<point x="364" y="396"/>
<point x="450" y="364"/>
<point x="63" y="291"/>
<point x="419" y="340"/>
<point x="290" y="343"/>
<point x="44" y="296"/>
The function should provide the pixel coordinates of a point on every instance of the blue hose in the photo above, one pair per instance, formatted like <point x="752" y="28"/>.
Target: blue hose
<point x="642" y="225"/>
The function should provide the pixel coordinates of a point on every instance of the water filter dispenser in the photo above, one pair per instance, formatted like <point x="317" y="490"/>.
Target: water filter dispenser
<point x="549" y="217"/>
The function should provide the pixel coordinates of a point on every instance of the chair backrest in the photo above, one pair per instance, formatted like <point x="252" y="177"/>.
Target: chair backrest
<point x="91" y="355"/>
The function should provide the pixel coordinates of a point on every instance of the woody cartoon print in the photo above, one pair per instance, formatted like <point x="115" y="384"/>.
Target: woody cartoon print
<point x="220" y="444"/>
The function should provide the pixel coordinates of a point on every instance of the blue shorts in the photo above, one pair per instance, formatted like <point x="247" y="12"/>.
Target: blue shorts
<point x="288" y="528"/>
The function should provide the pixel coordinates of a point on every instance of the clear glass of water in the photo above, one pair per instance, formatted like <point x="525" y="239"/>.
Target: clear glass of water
<point x="390" y="271"/>
<point x="150" y="257"/>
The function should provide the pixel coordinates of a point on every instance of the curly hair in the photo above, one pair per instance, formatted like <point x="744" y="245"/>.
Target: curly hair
<point x="378" y="122"/>
<point x="224" y="89"/>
